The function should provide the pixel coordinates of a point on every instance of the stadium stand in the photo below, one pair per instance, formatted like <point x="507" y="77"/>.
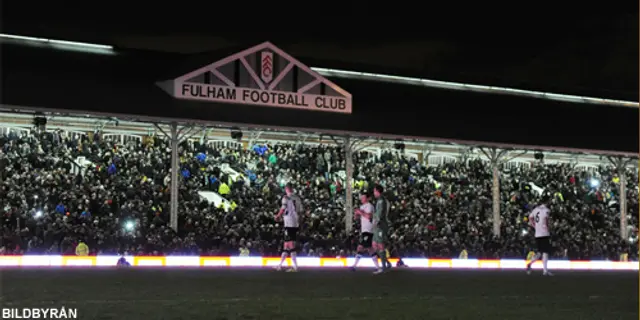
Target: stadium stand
<point x="112" y="192"/>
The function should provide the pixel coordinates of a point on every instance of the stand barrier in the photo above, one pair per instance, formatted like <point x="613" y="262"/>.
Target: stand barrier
<point x="204" y="261"/>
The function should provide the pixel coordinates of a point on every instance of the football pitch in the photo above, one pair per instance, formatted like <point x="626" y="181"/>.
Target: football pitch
<point x="322" y="294"/>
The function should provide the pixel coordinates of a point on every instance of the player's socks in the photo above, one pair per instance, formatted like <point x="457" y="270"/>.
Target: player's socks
<point x="282" y="259"/>
<point x="535" y="258"/>
<point x="375" y="261"/>
<point x="358" y="256"/>
<point x="294" y="261"/>
<point x="545" y="260"/>
<point x="383" y="257"/>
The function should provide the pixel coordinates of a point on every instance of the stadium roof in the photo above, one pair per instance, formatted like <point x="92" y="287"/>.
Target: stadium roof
<point x="583" y="51"/>
<point x="366" y="76"/>
<point x="95" y="78"/>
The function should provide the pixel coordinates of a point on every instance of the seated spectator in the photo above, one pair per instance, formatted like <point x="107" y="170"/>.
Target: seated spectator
<point x="57" y="189"/>
<point x="122" y="262"/>
<point x="82" y="249"/>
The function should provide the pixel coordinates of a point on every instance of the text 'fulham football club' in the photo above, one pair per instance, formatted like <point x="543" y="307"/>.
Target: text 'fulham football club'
<point x="270" y="98"/>
<point x="262" y="76"/>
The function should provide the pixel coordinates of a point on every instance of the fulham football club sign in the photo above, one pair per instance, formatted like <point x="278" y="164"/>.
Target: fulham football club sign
<point x="262" y="76"/>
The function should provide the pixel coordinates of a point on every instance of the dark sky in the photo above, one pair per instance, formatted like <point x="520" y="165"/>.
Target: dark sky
<point x="579" y="50"/>
<point x="587" y="50"/>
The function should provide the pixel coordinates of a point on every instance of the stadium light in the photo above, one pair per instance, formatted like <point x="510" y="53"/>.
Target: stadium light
<point x="335" y="73"/>
<point x="60" y="44"/>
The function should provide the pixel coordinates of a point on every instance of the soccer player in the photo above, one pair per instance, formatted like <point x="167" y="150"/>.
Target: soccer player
<point x="365" y="212"/>
<point x="539" y="219"/>
<point x="291" y="207"/>
<point x="380" y="227"/>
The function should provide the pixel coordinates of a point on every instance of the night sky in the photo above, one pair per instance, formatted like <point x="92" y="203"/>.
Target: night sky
<point x="583" y="51"/>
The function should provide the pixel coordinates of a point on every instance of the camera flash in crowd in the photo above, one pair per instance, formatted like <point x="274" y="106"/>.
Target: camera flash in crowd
<point x="524" y="232"/>
<point x="594" y="183"/>
<point x="129" y="225"/>
<point x="38" y="214"/>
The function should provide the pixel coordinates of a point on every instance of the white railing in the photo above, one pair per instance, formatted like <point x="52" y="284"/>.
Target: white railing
<point x="517" y="164"/>
<point x="588" y="168"/>
<point x="234" y="145"/>
<point x="440" y="160"/>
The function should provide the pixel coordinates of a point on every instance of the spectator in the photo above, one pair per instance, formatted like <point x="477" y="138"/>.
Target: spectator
<point x="82" y="249"/>
<point x="117" y="201"/>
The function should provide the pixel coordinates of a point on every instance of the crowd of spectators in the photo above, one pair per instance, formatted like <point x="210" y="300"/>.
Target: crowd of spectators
<point x="57" y="190"/>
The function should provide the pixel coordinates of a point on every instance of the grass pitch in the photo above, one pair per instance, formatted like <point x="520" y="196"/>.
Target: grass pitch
<point x="323" y="294"/>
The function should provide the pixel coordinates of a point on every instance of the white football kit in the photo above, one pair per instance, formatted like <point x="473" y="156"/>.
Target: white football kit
<point x="292" y="205"/>
<point x="540" y="216"/>
<point x="366" y="224"/>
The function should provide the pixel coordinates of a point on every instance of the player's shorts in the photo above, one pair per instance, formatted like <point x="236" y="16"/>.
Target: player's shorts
<point x="380" y="236"/>
<point x="290" y="234"/>
<point x="365" y="239"/>
<point x="544" y="244"/>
